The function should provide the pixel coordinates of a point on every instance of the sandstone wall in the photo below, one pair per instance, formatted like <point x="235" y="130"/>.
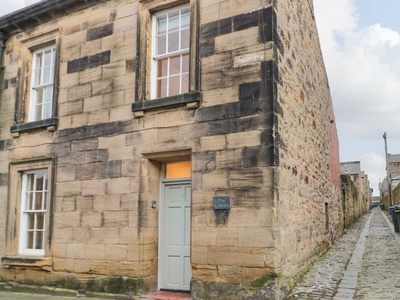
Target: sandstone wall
<point x="307" y="198"/>
<point x="107" y="162"/>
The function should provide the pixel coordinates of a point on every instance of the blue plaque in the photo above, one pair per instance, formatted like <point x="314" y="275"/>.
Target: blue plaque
<point x="222" y="202"/>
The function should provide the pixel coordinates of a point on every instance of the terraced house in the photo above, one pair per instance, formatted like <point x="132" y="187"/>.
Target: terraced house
<point x="165" y="144"/>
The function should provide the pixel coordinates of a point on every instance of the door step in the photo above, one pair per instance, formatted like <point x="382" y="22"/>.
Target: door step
<point x="162" y="295"/>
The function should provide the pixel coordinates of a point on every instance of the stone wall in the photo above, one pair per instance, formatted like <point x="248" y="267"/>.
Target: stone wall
<point x="263" y="134"/>
<point x="350" y="198"/>
<point x="307" y="196"/>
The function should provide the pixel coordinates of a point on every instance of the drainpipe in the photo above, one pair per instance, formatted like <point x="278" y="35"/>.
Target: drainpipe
<point x="3" y="39"/>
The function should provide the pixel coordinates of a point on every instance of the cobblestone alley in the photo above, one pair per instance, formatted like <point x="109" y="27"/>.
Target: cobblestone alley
<point x="364" y="264"/>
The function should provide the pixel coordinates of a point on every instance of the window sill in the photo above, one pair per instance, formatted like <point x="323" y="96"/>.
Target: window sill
<point x="51" y="125"/>
<point x="191" y="100"/>
<point x="31" y="261"/>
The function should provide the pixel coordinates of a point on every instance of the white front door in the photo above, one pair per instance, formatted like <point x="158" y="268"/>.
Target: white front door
<point x="174" y="264"/>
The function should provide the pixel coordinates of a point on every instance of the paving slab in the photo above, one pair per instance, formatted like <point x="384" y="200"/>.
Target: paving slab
<point x="365" y="263"/>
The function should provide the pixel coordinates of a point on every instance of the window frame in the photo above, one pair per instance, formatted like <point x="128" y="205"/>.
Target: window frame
<point x="13" y="242"/>
<point x="22" y="119"/>
<point x="143" y="94"/>
<point x="25" y="214"/>
<point x="34" y="87"/>
<point x="155" y="58"/>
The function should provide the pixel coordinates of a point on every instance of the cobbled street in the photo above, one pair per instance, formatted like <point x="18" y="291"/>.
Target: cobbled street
<point x="363" y="264"/>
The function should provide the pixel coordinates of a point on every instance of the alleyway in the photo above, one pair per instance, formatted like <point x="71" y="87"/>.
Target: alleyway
<point x="364" y="264"/>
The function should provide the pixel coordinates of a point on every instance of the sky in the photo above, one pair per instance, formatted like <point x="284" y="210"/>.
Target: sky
<point x="360" y="41"/>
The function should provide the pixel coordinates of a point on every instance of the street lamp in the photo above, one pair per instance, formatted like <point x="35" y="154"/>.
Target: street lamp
<point x="387" y="171"/>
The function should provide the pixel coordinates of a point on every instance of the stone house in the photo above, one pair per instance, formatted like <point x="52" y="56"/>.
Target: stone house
<point x="356" y="191"/>
<point x="165" y="144"/>
<point x="393" y="164"/>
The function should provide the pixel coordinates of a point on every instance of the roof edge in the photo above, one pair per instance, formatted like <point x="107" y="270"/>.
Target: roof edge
<point x="42" y="12"/>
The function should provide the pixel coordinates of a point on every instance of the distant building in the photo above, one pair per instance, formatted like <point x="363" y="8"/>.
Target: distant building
<point x="393" y="182"/>
<point x="357" y="194"/>
<point x="166" y="144"/>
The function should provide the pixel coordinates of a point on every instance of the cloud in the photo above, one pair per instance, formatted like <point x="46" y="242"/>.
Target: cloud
<point x="373" y="164"/>
<point x="13" y="5"/>
<point x="362" y="66"/>
<point x="363" y="69"/>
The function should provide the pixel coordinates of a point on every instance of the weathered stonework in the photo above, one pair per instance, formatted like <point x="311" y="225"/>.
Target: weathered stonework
<point x="257" y="125"/>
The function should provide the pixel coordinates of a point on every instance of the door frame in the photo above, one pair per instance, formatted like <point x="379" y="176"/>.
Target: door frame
<point x="163" y="183"/>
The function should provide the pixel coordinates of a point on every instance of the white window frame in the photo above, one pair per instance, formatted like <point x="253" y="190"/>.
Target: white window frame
<point x="25" y="213"/>
<point x="179" y="52"/>
<point x="46" y="107"/>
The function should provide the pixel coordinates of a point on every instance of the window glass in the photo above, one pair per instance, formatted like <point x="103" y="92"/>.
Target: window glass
<point x="178" y="170"/>
<point x="33" y="216"/>
<point x="42" y="84"/>
<point x="171" y="52"/>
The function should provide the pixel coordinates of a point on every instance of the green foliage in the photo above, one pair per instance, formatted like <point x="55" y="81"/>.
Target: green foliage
<point x="260" y="282"/>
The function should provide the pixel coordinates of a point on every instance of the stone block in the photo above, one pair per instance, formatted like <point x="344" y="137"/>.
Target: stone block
<point x="94" y="187"/>
<point x="229" y="274"/>
<point x="245" y="178"/>
<point x="114" y="99"/>
<point x="236" y="40"/>
<point x="114" y="69"/>
<point x="90" y="48"/>
<point x="122" y="113"/>
<point x="92" y="75"/>
<point x="96" y="251"/>
<point x="84" y="203"/>
<point x="118" y="185"/>
<point x="236" y="256"/>
<point x="105" y="236"/>
<point x="67" y="219"/>
<point x="215" y="180"/>
<point x="100" y="32"/>
<point x="128" y="235"/>
<point x="81" y="266"/>
<point x="204" y="236"/>
<point x="65" y="173"/>
<point x="64" y="235"/>
<point x="84" y="145"/>
<point x="95" y="156"/>
<point x="92" y="219"/>
<point x="98" y="117"/>
<point x="220" y="96"/>
<point x="80" y="91"/>
<point x="255" y="237"/>
<point x="68" y="188"/>
<point x="115" y="219"/>
<point x="75" y="250"/>
<point x="112" y="141"/>
<point x="127" y="268"/>
<point x="86" y="171"/>
<point x="69" y="80"/>
<point x="92" y="104"/>
<point x="63" y="264"/>
<point x="216" y="63"/>
<point x="204" y="273"/>
<point x="125" y="24"/>
<point x="79" y="120"/>
<point x="203" y="162"/>
<point x="227" y="236"/>
<point x="106" y="202"/>
<point x="98" y="267"/>
<point x="212" y="143"/>
<point x="129" y="202"/>
<point x="59" y="250"/>
<point x="101" y="87"/>
<point x="229" y="159"/>
<point x="238" y="140"/>
<point x="250" y="274"/>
